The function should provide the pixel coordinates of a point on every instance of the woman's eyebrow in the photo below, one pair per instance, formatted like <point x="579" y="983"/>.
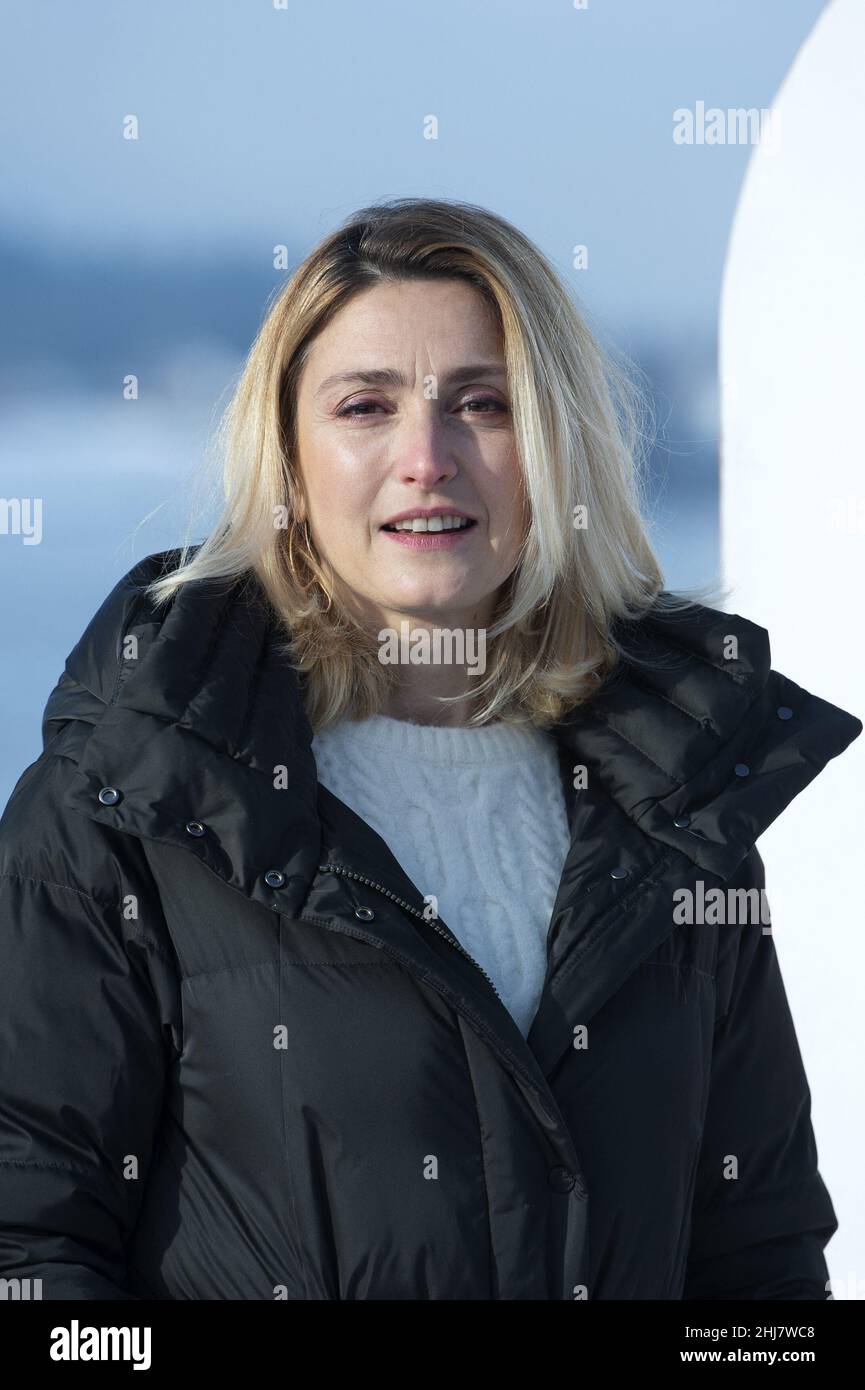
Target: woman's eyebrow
<point x="389" y="376"/>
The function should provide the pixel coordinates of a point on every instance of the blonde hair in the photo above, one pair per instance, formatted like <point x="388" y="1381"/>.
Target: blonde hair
<point x="578" y="426"/>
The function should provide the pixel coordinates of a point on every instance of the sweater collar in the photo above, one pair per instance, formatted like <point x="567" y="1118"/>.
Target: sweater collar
<point x="436" y="746"/>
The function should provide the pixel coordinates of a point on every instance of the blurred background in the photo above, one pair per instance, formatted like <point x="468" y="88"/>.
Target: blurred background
<point x="261" y="125"/>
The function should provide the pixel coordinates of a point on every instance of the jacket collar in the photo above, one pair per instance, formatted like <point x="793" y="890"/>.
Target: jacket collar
<point x="199" y="718"/>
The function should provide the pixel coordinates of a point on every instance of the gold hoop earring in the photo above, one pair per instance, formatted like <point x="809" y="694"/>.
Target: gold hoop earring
<point x="293" y="530"/>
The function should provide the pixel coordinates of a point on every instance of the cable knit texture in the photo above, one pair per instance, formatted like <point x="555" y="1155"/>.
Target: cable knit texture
<point x="476" y="817"/>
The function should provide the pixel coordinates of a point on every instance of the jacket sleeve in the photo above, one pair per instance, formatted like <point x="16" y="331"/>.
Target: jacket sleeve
<point x="86" y="1034"/>
<point x="762" y="1215"/>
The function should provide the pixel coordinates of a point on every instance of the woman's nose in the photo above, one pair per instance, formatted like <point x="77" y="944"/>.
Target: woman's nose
<point x="424" y="456"/>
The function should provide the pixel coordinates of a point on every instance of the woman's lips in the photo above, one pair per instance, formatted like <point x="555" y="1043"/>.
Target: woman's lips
<point x="429" y="540"/>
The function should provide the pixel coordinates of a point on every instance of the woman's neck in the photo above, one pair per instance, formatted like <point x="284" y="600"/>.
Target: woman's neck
<point x="421" y="707"/>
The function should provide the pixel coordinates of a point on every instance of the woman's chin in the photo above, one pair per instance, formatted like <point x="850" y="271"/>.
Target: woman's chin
<point x="443" y="610"/>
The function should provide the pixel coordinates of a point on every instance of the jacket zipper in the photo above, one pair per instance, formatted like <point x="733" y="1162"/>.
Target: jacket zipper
<point x="407" y="907"/>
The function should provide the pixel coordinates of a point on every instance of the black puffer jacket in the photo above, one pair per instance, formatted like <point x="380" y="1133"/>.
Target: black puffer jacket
<point x="239" y="1063"/>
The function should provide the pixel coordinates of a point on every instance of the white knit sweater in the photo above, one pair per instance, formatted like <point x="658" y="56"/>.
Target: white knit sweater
<point x="475" y="816"/>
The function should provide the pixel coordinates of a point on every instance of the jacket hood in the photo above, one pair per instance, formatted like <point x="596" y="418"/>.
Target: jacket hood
<point x="191" y="713"/>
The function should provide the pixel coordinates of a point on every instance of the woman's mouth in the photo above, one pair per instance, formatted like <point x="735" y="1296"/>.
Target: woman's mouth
<point x="429" y="533"/>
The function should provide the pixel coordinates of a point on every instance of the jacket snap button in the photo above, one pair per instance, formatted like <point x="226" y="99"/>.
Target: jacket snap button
<point x="365" y="914"/>
<point x="274" y="878"/>
<point x="561" y="1179"/>
<point x="784" y="712"/>
<point x="109" y="796"/>
<point x="682" y="822"/>
<point x="741" y="769"/>
<point x="618" y="873"/>
<point x="194" y="827"/>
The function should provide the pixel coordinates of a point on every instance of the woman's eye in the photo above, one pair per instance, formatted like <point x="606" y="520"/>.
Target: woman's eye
<point x="356" y="405"/>
<point x="483" y="401"/>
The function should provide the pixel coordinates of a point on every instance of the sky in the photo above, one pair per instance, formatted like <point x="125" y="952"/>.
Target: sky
<point x="260" y="123"/>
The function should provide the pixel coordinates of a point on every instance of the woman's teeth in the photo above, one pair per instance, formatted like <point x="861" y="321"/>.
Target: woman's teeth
<point x="431" y="523"/>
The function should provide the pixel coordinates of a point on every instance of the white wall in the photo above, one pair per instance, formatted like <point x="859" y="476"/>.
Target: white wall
<point x="792" y="362"/>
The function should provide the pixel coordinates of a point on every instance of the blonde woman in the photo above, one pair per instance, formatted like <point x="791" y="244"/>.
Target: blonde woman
<point x="383" y="918"/>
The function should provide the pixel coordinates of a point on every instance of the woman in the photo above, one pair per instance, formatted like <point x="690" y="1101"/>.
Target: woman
<point x="382" y="917"/>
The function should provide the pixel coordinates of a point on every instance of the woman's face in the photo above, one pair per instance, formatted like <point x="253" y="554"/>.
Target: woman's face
<point x="403" y="407"/>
